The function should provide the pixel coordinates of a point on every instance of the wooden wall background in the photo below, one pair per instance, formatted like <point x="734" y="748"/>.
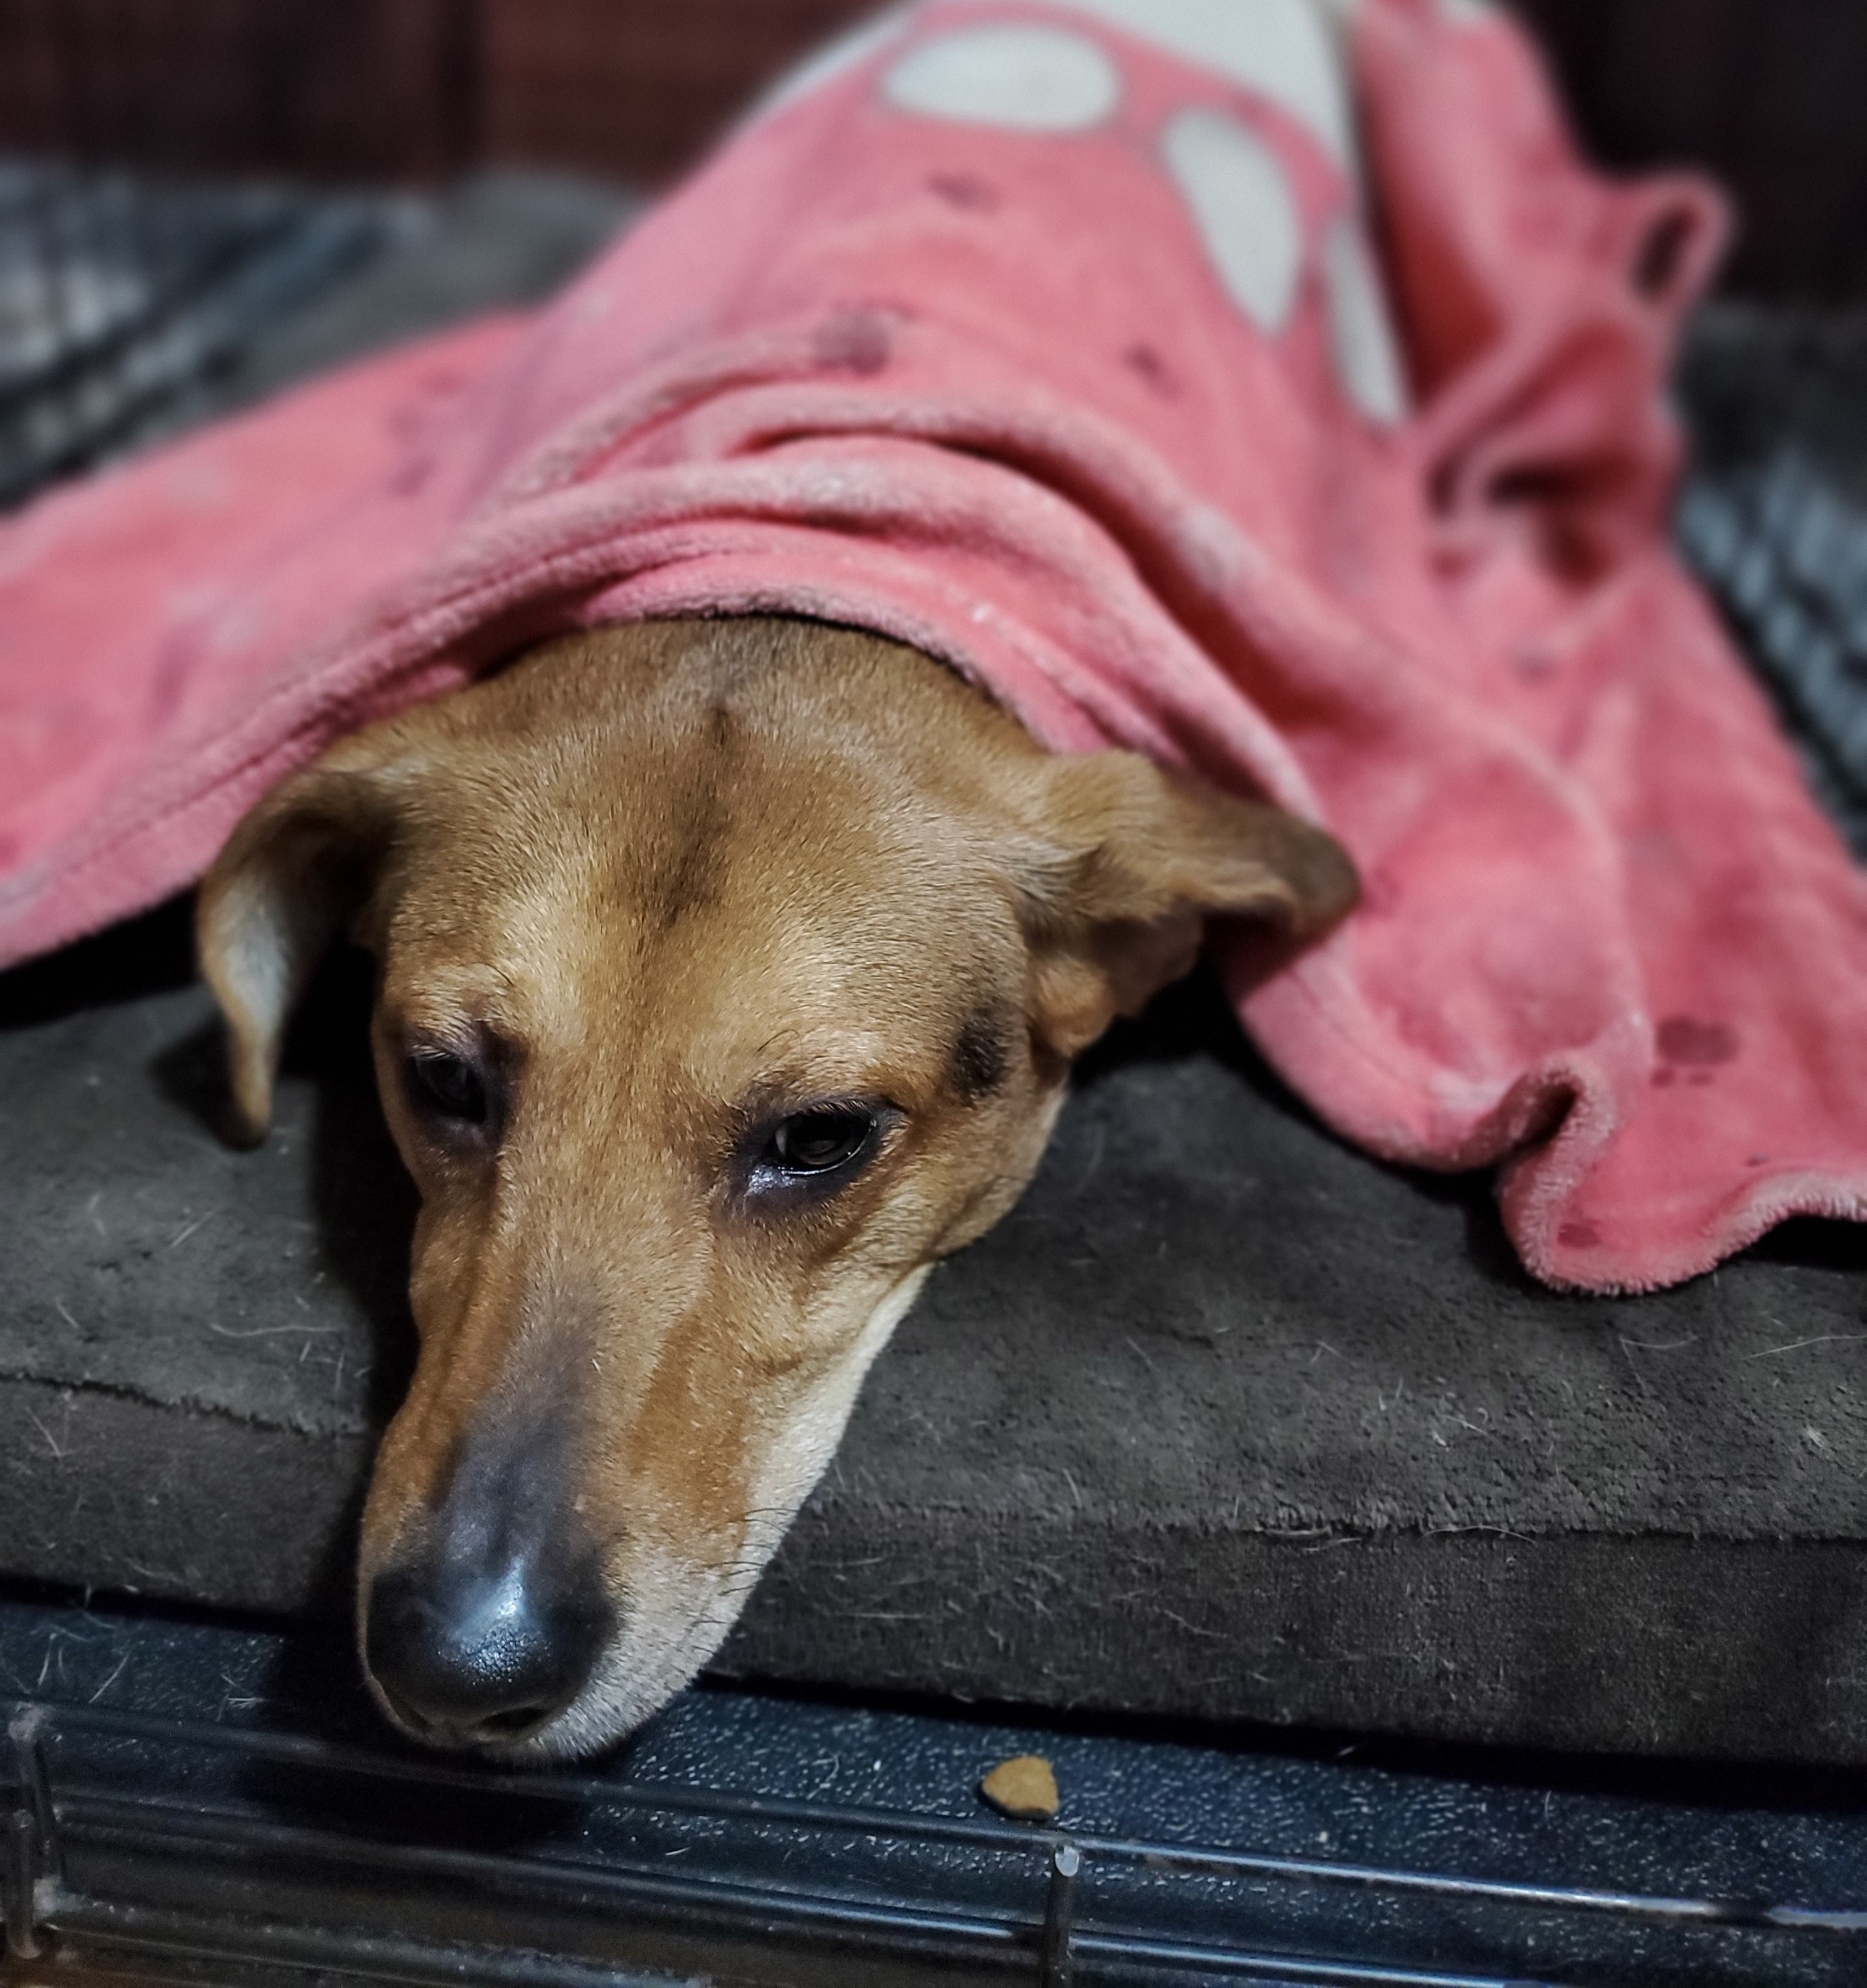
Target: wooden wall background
<point x="1770" y="94"/>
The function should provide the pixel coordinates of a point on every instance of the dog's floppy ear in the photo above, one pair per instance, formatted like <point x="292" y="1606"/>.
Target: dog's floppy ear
<point x="293" y="877"/>
<point x="1131" y="860"/>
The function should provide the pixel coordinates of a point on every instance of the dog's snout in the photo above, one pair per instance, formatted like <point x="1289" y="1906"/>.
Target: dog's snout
<point x="472" y="1655"/>
<point x="491" y="1611"/>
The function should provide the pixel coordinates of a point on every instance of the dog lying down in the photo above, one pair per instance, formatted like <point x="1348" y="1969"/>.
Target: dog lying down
<point x="1019" y="384"/>
<point x="730" y="976"/>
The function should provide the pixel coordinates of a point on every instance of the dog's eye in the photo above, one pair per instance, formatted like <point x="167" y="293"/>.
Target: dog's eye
<point x="820" y="1141"/>
<point x="808" y="1157"/>
<point x="448" y="1085"/>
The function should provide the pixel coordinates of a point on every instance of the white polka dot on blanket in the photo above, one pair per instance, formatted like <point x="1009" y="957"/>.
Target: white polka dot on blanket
<point x="1020" y="78"/>
<point x="1287" y="50"/>
<point x="1360" y="327"/>
<point x="1466" y="11"/>
<point x="1244" y="209"/>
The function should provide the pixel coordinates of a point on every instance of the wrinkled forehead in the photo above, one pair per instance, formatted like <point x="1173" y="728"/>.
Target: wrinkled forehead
<point x="753" y="907"/>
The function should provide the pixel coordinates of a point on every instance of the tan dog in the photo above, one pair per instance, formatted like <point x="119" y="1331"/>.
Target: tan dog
<point x="730" y="976"/>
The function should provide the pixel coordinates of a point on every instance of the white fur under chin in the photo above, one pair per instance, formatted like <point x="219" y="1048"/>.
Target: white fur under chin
<point x="680" y="1611"/>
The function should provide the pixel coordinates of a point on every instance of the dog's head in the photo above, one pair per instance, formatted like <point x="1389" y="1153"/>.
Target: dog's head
<point x="729" y="975"/>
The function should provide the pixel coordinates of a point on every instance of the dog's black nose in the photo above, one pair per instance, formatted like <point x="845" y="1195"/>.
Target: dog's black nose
<point x="472" y="1656"/>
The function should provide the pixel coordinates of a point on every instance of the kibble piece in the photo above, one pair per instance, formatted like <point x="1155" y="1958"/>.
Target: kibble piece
<point x="1025" y="1787"/>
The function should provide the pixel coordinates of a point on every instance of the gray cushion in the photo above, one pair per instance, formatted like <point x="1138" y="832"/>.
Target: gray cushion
<point x="1226" y="1420"/>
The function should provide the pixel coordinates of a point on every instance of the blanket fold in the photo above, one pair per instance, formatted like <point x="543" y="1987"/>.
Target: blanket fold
<point x="1053" y="339"/>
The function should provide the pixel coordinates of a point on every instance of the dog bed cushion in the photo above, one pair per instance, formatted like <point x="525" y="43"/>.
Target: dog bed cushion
<point x="1226" y="1420"/>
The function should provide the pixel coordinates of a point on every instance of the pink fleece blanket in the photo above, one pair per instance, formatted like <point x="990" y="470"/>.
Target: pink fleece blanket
<point x="1050" y="337"/>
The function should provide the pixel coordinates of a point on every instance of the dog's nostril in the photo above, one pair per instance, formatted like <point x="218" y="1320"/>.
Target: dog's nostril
<point x="513" y="1724"/>
<point x="471" y="1658"/>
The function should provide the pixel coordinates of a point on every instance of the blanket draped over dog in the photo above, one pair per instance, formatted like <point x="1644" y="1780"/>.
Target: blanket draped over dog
<point x="1050" y="338"/>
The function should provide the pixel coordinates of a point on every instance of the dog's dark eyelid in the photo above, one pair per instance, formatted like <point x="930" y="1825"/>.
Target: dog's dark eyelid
<point x="448" y="1085"/>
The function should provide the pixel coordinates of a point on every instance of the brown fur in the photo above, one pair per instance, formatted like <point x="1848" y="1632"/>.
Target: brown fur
<point x="667" y="882"/>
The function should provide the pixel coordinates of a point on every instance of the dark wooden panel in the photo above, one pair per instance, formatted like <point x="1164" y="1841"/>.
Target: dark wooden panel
<point x="1769" y="95"/>
<point x="361" y="89"/>
<point x="636" y="88"/>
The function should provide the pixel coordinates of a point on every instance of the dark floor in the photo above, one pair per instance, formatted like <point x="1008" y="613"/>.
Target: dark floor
<point x="225" y="1791"/>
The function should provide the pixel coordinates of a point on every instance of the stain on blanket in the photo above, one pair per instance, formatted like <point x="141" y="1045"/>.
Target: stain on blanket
<point x="852" y="341"/>
<point x="1684" y="1039"/>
